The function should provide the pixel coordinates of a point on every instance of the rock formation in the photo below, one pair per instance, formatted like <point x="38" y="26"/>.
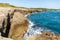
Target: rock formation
<point x="19" y="26"/>
<point x="13" y="24"/>
<point x="44" y="36"/>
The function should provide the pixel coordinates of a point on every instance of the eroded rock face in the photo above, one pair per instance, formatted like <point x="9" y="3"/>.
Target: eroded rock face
<point x="44" y="36"/>
<point x="19" y="25"/>
<point x="5" y="16"/>
<point x="12" y="23"/>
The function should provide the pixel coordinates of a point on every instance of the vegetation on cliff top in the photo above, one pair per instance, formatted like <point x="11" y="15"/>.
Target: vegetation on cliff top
<point x="6" y="5"/>
<point x="9" y="5"/>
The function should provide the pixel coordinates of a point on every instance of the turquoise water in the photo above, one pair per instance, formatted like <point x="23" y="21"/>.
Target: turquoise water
<point x="46" y="20"/>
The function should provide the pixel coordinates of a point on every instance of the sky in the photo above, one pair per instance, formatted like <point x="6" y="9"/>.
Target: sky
<point x="34" y="3"/>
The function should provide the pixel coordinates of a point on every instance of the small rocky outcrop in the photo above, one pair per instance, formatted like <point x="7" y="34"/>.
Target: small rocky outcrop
<point x="44" y="36"/>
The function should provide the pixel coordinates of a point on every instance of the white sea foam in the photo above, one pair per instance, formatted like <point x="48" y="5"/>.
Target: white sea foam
<point x="26" y="15"/>
<point x="30" y="26"/>
<point x="32" y="31"/>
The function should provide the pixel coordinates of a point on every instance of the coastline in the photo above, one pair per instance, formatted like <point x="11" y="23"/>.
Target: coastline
<point x="22" y="22"/>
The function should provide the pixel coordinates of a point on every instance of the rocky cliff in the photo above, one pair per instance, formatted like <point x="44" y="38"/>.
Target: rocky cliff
<point x="13" y="24"/>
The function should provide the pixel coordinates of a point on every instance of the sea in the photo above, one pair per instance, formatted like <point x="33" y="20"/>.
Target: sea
<point x="46" y="21"/>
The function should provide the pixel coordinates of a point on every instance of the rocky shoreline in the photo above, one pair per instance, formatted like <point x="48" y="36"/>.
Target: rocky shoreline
<point x="45" y="36"/>
<point x="14" y="24"/>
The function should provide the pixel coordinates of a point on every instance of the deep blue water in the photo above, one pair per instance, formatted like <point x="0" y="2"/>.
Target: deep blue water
<point x="46" y="20"/>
